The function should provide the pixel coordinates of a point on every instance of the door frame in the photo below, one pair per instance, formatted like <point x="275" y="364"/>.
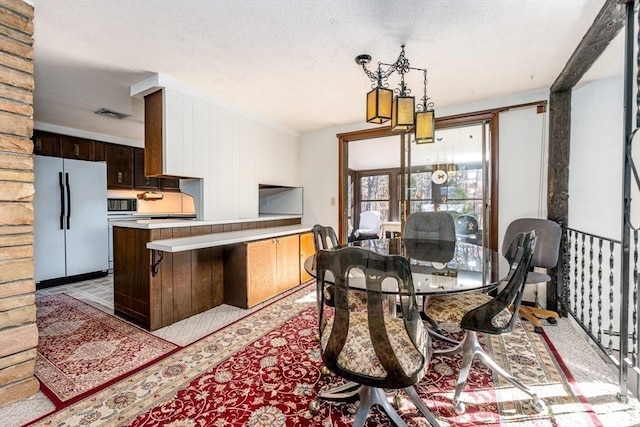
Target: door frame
<point x="380" y="132"/>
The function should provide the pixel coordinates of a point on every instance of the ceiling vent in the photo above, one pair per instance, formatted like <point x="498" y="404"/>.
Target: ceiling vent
<point x="111" y="113"/>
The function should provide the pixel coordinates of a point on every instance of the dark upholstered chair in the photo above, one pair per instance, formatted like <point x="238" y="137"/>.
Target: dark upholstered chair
<point x="371" y="348"/>
<point x="434" y="226"/>
<point x="479" y="312"/>
<point x="430" y="225"/>
<point x="467" y="229"/>
<point x="544" y="256"/>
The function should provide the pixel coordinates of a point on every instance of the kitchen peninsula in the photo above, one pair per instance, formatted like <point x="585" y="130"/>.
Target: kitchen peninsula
<point x="168" y="270"/>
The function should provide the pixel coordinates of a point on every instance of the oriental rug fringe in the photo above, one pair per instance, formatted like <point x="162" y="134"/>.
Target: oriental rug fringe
<point x="265" y="369"/>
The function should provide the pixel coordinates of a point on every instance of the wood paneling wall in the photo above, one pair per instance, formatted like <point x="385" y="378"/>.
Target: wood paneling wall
<point x="18" y="331"/>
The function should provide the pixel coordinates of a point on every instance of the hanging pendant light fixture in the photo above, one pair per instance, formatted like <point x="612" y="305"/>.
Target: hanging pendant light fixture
<point x="404" y="105"/>
<point x="382" y="105"/>
<point x="425" y="118"/>
<point x="380" y="98"/>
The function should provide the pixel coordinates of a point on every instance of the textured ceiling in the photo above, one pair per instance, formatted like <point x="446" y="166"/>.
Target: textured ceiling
<point x="292" y="62"/>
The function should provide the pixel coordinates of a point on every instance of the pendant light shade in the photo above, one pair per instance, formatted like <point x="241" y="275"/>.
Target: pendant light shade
<point x="379" y="102"/>
<point x="425" y="126"/>
<point x="402" y="117"/>
<point x="384" y="104"/>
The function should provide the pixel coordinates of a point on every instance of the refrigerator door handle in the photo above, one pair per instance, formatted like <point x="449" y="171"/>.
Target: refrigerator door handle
<point x="61" y="200"/>
<point x="68" y="201"/>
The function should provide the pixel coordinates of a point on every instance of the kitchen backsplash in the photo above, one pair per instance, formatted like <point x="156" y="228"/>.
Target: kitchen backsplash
<point x="172" y="202"/>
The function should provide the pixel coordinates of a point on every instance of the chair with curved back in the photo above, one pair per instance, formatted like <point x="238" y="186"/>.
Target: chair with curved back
<point x="431" y="226"/>
<point x="372" y="348"/>
<point x="324" y="237"/>
<point x="479" y="312"/>
<point x="369" y="226"/>
<point x="544" y="256"/>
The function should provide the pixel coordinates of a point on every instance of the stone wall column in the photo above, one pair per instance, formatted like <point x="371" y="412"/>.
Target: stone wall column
<point x="18" y="331"/>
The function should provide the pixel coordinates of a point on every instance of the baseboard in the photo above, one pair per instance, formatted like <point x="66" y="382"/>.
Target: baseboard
<point x="70" y="279"/>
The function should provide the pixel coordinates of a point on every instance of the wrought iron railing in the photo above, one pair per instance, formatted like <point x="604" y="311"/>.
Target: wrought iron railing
<point x="590" y="290"/>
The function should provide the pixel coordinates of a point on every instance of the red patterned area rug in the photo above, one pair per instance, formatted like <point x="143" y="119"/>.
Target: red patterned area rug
<point x="81" y="348"/>
<point x="265" y="369"/>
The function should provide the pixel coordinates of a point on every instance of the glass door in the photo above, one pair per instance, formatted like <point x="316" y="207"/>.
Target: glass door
<point x="451" y="175"/>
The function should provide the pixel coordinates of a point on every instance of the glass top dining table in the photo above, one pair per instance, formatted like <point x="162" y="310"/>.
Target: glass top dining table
<point x="437" y="267"/>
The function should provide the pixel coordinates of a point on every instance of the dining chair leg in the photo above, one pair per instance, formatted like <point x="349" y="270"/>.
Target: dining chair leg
<point x="451" y="350"/>
<point x="370" y="396"/>
<point x="472" y="347"/>
<point x="417" y="401"/>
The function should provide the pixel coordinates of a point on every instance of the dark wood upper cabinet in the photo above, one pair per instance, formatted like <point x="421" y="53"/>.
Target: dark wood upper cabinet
<point x="72" y="147"/>
<point x="119" y="165"/>
<point x="98" y="151"/>
<point x="46" y="144"/>
<point x="153" y="133"/>
<point x="140" y="180"/>
<point x="125" y="164"/>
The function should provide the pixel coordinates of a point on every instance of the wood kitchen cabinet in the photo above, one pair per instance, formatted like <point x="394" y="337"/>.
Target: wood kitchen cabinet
<point x="72" y="147"/>
<point x="98" y="151"/>
<point x="140" y="180"/>
<point x="125" y="164"/>
<point x="68" y="147"/>
<point x="261" y="270"/>
<point x="169" y="115"/>
<point x="153" y="133"/>
<point x="145" y="182"/>
<point x="307" y="249"/>
<point x="46" y="144"/>
<point x="119" y="165"/>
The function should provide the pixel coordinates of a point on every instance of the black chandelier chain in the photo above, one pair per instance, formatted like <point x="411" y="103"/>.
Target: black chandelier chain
<point x="426" y="103"/>
<point x="379" y="78"/>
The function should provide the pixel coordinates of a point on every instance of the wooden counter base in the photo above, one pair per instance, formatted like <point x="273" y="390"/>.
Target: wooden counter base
<point x="193" y="281"/>
<point x="187" y="283"/>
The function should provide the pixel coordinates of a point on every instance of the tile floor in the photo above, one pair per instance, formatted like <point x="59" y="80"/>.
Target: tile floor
<point x="596" y="378"/>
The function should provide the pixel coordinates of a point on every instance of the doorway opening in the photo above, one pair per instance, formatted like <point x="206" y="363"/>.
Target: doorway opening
<point x="382" y="171"/>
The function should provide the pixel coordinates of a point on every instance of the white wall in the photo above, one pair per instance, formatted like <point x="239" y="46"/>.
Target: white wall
<point x="596" y="158"/>
<point x="522" y="185"/>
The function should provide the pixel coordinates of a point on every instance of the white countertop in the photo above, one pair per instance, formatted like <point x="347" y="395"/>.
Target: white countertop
<point x="227" y="238"/>
<point x="149" y="224"/>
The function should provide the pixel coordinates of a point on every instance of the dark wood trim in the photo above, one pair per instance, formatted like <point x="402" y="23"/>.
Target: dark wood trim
<point x="393" y="174"/>
<point x="605" y="28"/>
<point x="559" y="149"/>
<point x="463" y="119"/>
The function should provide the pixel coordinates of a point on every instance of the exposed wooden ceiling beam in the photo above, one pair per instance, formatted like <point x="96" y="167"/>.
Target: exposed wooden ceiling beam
<point x="604" y="29"/>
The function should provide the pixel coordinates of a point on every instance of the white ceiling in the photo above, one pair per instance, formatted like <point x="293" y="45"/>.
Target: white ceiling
<point x="291" y="62"/>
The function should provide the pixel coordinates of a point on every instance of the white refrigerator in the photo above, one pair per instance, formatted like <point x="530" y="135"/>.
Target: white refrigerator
<point x="70" y="227"/>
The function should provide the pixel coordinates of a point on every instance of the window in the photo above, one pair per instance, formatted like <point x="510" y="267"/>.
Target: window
<point x="374" y="194"/>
